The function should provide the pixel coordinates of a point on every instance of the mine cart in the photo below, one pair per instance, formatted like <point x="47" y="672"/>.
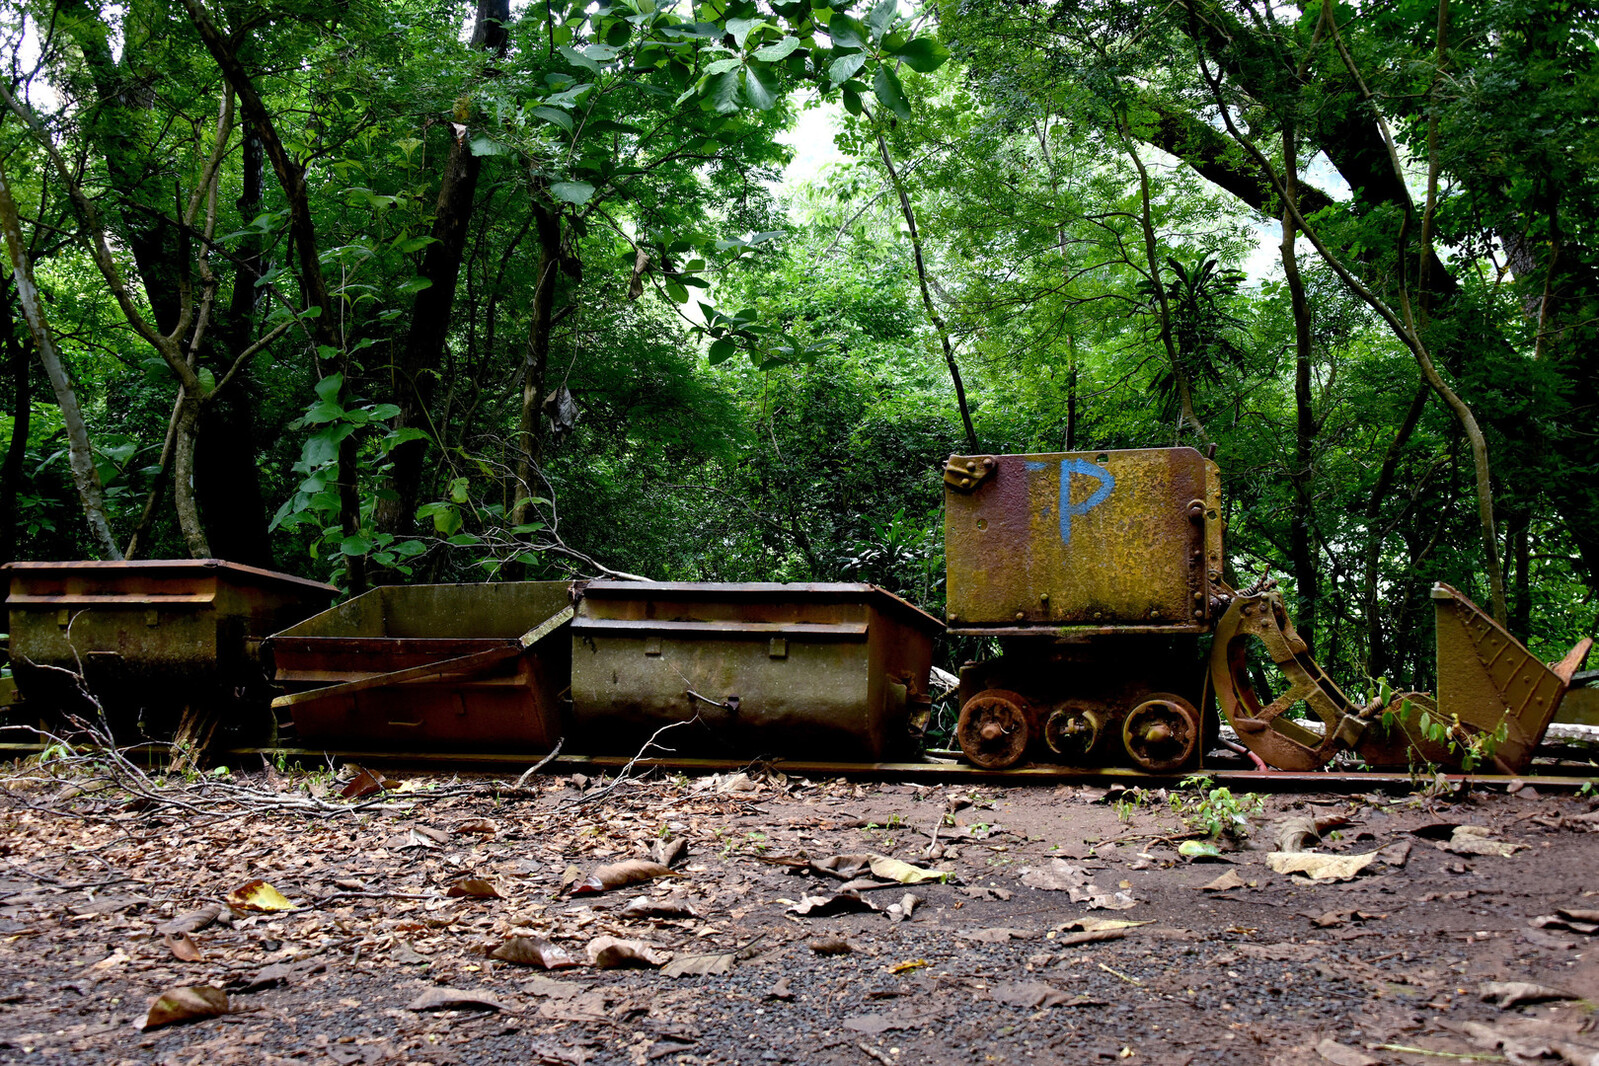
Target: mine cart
<point x="819" y="670"/>
<point x="148" y="639"/>
<point x="427" y="667"/>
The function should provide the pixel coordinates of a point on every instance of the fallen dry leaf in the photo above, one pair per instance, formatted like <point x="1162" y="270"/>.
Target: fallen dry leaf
<point x="183" y="947"/>
<point x="898" y="912"/>
<point x="363" y="784"/>
<point x="890" y="869"/>
<point x="1333" y="919"/>
<point x="1510" y="993"/>
<point x="1225" y="883"/>
<point x="1319" y="867"/>
<point x="193" y="921"/>
<point x="998" y="935"/>
<point x="456" y="999"/>
<point x="534" y="951"/>
<point x="843" y="902"/>
<point x="1473" y="840"/>
<point x="644" y="907"/>
<point x="480" y="826"/>
<point x="699" y="965"/>
<point x="611" y="953"/>
<point x="1099" y="925"/>
<point x="1344" y="1055"/>
<point x="187" y="1003"/>
<point x="831" y="945"/>
<point x="1030" y="994"/>
<point x="780" y="990"/>
<point x="1091" y="937"/>
<point x="473" y="888"/>
<point x="258" y="896"/>
<point x="620" y="874"/>
<point x="669" y="852"/>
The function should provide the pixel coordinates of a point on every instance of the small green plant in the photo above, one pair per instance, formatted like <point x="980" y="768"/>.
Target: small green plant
<point x="1588" y="787"/>
<point x="1214" y="809"/>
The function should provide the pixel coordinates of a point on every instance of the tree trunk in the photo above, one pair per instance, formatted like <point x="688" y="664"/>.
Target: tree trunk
<point x="1301" y="549"/>
<point x="80" y="455"/>
<point x="1377" y="658"/>
<point x="422" y="355"/>
<point x="21" y="412"/>
<point x="529" y="428"/>
<point x="927" y="297"/>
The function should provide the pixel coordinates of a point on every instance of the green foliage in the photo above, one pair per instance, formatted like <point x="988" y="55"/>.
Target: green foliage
<point x="1215" y="811"/>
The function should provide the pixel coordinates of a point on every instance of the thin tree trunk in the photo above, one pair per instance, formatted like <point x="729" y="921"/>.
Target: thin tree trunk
<point x="80" y="455"/>
<point x="1185" y="396"/>
<point x="422" y="353"/>
<point x="927" y="296"/>
<point x="1377" y="660"/>
<point x="529" y="429"/>
<point x="21" y="414"/>
<point x="1301" y="550"/>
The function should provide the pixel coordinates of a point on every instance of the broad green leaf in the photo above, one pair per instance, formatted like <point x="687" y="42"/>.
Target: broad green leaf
<point x="882" y="17"/>
<point x="740" y="29"/>
<point x="846" y="32"/>
<point x="355" y="545"/>
<point x="572" y="192"/>
<point x="890" y="93"/>
<point x="487" y="146"/>
<point x="554" y="116"/>
<point x="383" y="411"/>
<point x="780" y="50"/>
<point x="721" y="351"/>
<point x="760" y="86"/>
<point x="324" y="411"/>
<point x="600" y="53"/>
<point x="852" y="99"/>
<point x="923" y="54"/>
<point x="724" y="91"/>
<point x="578" y="59"/>
<point x="328" y="388"/>
<point x="722" y="66"/>
<point x="845" y="67"/>
<point x="415" y="285"/>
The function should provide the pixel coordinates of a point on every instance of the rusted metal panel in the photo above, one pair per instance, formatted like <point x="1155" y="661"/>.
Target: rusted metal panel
<point x="801" y="669"/>
<point x="1082" y="541"/>
<point x="431" y="666"/>
<point x="154" y="632"/>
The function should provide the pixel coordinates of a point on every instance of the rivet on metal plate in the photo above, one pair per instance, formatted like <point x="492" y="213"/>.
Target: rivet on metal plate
<point x="652" y="646"/>
<point x="778" y="648"/>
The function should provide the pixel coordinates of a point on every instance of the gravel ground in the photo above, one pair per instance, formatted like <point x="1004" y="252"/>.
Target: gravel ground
<point x="1029" y="952"/>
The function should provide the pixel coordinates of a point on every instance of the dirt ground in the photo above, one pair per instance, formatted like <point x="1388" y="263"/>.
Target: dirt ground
<point x="1024" y="954"/>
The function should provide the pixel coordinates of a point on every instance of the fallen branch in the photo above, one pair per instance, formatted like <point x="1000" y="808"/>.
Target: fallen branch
<point x="622" y="775"/>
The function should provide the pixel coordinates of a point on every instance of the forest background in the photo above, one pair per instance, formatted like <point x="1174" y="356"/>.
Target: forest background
<point x="413" y="290"/>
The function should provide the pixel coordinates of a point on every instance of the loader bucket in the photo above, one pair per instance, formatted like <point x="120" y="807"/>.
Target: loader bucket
<point x="1493" y="694"/>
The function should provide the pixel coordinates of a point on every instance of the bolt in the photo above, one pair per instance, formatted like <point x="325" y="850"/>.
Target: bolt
<point x="966" y="482"/>
<point x="1199" y="596"/>
<point x="1021" y="616"/>
<point x="989" y="462"/>
<point x="1158" y="733"/>
<point x="991" y="731"/>
<point x="1199" y="614"/>
<point x="971" y="467"/>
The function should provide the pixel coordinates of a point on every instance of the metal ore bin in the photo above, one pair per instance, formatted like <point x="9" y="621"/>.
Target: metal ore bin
<point x="806" y="670"/>
<point x="418" y="667"/>
<point x="153" y="635"/>
<point x="1082" y="542"/>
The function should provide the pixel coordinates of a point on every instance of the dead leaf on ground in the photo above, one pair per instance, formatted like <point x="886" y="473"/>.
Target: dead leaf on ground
<point x="898" y="912"/>
<point x="986" y="892"/>
<point x="480" y="826"/>
<point x="278" y="973"/>
<point x="780" y="990"/>
<point x="473" y="888"/>
<point x="669" y="852"/>
<point x="1474" y="840"/>
<point x="877" y="1024"/>
<point x="1510" y="993"/>
<point x="644" y="907"/>
<point x="534" y="951"/>
<point x="1099" y="925"/>
<point x="1092" y="937"/>
<point x="1333" y="919"/>
<point x="620" y="874"/>
<point x="457" y="999"/>
<point x="1062" y="876"/>
<point x="700" y="965"/>
<point x="844" y="902"/>
<point x="183" y="947"/>
<point x="1297" y="835"/>
<point x="612" y="953"/>
<point x="831" y="945"/>
<point x="997" y="935"/>
<point x="1344" y="1055"/>
<point x="187" y="1003"/>
<point x="1225" y="883"/>
<point x="1319" y="867"/>
<point x="365" y="783"/>
<point x="258" y="896"/>
<point x="1030" y="994"/>
<point x="193" y="921"/>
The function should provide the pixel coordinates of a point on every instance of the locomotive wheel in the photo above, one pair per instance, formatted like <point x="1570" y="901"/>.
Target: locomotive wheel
<point x="1073" y="732"/>
<point x="1162" y="733"/>
<point x="995" y="729"/>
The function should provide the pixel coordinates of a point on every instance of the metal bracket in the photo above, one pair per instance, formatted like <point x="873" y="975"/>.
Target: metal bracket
<point x="964" y="473"/>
